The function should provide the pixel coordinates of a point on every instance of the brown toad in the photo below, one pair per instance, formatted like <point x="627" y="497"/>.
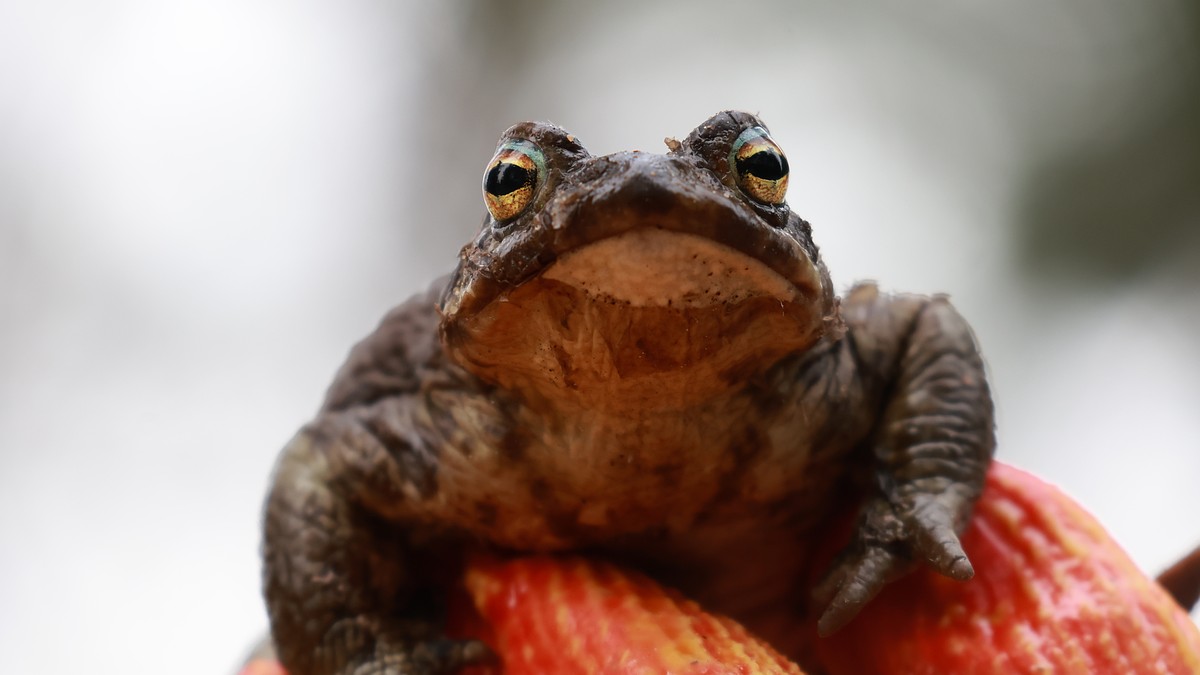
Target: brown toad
<point x="640" y="357"/>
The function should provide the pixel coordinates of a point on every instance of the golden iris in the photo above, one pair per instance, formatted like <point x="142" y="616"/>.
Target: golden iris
<point x="511" y="179"/>
<point x="759" y="166"/>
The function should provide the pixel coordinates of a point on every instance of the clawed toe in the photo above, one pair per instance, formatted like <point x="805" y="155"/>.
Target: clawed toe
<point x="448" y="656"/>
<point x="853" y="583"/>
<point x="888" y="540"/>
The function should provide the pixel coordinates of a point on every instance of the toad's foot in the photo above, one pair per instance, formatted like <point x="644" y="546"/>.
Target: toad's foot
<point x="352" y="649"/>
<point x="442" y="657"/>
<point x="890" y="537"/>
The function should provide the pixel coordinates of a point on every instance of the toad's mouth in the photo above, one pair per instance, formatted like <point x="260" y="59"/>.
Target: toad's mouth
<point x="645" y="319"/>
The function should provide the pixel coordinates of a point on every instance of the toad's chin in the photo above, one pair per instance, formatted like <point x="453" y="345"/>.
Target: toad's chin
<point x="648" y="319"/>
<point x="653" y="267"/>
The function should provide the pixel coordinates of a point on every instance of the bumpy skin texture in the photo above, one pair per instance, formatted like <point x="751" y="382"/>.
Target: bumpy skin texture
<point x="700" y="409"/>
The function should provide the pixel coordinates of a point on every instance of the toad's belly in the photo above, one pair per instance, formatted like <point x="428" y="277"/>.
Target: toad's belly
<point x="571" y="495"/>
<point x="725" y="504"/>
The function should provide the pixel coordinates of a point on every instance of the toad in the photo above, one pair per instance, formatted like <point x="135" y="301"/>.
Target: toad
<point x="639" y="357"/>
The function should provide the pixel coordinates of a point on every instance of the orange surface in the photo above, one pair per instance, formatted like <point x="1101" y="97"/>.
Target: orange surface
<point x="1052" y="593"/>
<point x="573" y="617"/>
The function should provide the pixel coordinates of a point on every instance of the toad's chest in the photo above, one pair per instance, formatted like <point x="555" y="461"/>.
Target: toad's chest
<point x="529" y="481"/>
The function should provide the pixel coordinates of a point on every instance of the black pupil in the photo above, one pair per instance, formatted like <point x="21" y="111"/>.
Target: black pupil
<point x="505" y="178"/>
<point x="765" y="164"/>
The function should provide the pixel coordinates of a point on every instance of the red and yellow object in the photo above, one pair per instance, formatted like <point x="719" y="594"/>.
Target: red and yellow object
<point x="570" y="616"/>
<point x="1052" y="593"/>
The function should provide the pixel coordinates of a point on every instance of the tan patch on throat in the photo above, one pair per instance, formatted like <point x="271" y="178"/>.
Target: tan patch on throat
<point x="658" y="268"/>
<point x="647" y="320"/>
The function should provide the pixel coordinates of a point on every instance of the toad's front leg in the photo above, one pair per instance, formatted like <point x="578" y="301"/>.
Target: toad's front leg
<point x="340" y="570"/>
<point x="931" y="447"/>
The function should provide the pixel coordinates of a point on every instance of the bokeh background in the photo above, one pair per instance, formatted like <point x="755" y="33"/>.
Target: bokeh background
<point x="204" y="203"/>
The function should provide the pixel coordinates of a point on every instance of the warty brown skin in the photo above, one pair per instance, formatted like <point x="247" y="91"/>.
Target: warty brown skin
<point x="704" y="427"/>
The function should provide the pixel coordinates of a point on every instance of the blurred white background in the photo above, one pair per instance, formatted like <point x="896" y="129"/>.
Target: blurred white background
<point x="203" y="204"/>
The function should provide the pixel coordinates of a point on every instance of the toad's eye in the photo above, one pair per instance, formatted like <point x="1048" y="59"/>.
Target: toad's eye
<point x="759" y="167"/>
<point x="512" y="179"/>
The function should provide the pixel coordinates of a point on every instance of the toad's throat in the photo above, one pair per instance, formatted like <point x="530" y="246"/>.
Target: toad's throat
<point x="652" y="267"/>
<point x="648" y="319"/>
